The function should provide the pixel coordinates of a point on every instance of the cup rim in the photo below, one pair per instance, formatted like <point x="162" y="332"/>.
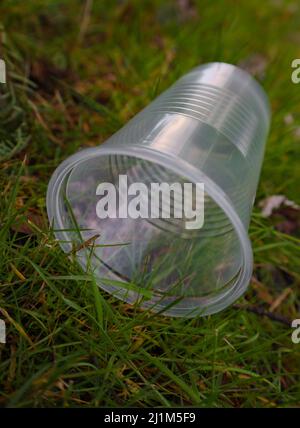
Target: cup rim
<point x="213" y="304"/>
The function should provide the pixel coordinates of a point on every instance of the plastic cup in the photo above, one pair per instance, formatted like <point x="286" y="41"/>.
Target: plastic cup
<point x="210" y="127"/>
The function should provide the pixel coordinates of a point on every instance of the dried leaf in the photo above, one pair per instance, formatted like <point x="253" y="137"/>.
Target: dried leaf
<point x="289" y="119"/>
<point x="187" y="10"/>
<point x="277" y="302"/>
<point x="255" y="64"/>
<point x="23" y="224"/>
<point x="274" y="202"/>
<point x="262" y="291"/>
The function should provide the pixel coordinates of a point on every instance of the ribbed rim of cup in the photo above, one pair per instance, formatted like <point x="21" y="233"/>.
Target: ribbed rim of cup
<point x="213" y="304"/>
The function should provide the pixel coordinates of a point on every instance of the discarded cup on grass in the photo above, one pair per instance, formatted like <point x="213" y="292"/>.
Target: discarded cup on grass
<point x="210" y="128"/>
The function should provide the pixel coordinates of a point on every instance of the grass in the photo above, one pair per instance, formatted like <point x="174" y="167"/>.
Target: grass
<point x="68" y="342"/>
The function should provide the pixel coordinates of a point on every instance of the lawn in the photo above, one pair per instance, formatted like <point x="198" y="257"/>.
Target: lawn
<point x="78" y="71"/>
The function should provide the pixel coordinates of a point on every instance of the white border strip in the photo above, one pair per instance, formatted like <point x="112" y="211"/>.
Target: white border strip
<point x="2" y="71"/>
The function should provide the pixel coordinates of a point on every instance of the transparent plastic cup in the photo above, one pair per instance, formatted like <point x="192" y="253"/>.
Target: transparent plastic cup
<point x="210" y="127"/>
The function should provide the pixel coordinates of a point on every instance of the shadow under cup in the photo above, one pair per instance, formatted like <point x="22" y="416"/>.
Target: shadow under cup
<point x="159" y="262"/>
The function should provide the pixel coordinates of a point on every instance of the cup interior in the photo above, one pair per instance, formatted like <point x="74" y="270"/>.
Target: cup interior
<point x="156" y="260"/>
